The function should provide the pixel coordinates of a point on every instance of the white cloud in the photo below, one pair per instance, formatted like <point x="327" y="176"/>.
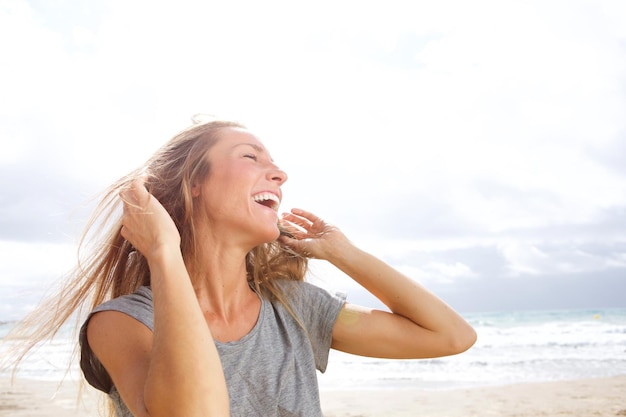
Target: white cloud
<point x="549" y="259"/>
<point x="451" y="124"/>
<point x="26" y="264"/>
<point x="438" y="273"/>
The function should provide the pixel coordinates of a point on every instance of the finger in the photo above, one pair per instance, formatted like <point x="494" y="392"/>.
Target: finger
<point x="124" y="232"/>
<point x="297" y="220"/>
<point x="135" y="194"/>
<point x="138" y="187"/>
<point x="293" y="229"/>
<point x="305" y="214"/>
<point x="295" y="245"/>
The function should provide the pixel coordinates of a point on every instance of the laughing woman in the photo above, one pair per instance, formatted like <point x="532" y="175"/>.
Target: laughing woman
<point x="199" y="302"/>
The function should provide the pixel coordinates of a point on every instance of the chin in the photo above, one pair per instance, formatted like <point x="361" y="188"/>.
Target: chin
<point x="270" y="235"/>
<point x="275" y="235"/>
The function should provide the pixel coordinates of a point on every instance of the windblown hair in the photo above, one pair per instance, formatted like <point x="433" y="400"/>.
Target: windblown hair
<point x="113" y="267"/>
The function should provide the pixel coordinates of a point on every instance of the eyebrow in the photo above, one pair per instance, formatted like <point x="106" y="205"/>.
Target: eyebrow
<point x="256" y="147"/>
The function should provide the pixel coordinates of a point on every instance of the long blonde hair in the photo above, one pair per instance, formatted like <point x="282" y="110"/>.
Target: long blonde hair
<point x="112" y="267"/>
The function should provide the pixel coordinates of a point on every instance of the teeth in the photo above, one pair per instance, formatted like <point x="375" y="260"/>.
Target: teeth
<point x="267" y="196"/>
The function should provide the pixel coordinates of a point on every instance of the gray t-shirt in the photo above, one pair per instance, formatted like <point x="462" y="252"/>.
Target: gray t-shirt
<point x="271" y="371"/>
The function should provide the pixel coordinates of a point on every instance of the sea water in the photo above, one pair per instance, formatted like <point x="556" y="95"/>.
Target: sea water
<point x="512" y="347"/>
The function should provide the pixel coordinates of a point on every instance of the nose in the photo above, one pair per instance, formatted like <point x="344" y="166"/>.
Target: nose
<point x="277" y="175"/>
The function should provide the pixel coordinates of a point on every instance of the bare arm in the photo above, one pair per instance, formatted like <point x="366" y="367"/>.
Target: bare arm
<point x="420" y="324"/>
<point x="175" y="370"/>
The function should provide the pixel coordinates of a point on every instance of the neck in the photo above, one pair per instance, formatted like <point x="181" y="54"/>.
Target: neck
<point x="220" y="280"/>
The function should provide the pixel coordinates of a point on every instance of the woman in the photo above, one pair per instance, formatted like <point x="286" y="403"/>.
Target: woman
<point x="209" y="313"/>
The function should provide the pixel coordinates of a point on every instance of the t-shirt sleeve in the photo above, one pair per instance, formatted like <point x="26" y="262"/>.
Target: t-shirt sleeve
<point x="138" y="306"/>
<point x="318" y="309"/>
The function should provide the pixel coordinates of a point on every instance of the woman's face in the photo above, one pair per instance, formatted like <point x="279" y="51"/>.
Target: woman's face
<point x="242" y="193"/>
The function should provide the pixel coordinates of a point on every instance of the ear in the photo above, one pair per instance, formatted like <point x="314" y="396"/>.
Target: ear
<point x="195" y="190"/>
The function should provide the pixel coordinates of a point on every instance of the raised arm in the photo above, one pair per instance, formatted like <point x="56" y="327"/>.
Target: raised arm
<point x="176" y="369"/>
<point x="420" y="324"/>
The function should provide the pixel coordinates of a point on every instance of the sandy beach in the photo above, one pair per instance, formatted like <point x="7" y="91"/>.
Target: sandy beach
<point x="582" y="398"/>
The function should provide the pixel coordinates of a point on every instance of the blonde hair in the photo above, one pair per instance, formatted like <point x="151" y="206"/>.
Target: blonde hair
<point x="113" y="267"/>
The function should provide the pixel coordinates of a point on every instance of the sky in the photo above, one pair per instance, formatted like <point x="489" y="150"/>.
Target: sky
<point x="479" y="147"/>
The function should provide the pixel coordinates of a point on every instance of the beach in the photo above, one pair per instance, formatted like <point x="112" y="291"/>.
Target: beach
<point x="505" y="374"/>
<point x="601" y="397"/>
<point x="597" y="397"/>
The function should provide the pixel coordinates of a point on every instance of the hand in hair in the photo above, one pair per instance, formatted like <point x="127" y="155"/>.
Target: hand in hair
<point x="310" y="235"/>
<point x="145" y="223"/>
<point x="418" y="325"/>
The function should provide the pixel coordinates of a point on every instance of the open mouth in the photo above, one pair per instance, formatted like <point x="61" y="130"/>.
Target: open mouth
<point x="268" y="200"/>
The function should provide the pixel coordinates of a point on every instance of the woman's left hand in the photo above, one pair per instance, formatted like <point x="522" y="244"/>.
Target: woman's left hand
<point x="419" y="324"/>
<point x="312" y="236"/>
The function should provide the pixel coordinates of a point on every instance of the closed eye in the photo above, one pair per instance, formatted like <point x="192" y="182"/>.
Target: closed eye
<point x="251" y="156"/>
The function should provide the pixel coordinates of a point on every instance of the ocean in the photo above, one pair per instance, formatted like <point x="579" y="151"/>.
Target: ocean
<point x="512" y="347"/>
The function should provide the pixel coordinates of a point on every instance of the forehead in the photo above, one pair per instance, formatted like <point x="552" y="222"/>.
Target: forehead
<point x="233" y="137"/>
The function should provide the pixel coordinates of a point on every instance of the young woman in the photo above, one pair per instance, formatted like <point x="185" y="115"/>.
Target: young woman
<point x="199" y="302"/>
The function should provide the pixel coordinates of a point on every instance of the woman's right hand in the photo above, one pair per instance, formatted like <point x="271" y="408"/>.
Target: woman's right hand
<point x="145" y="222"/>
<point x="152" y="369"/>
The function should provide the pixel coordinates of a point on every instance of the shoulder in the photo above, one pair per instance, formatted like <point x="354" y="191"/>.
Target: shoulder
<point x="122" y="324"/>
<point x="302" y="292"/>
<point x="141" y="297"/>
<point x="311" y="303"/>
<point x="137" y="305"/>
<point x="306" y="288"/>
